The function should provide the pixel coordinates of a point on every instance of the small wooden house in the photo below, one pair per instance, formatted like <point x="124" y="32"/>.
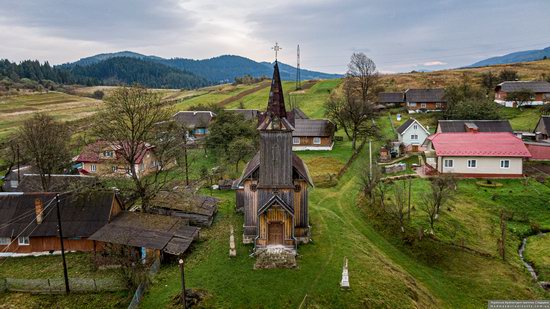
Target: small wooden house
<point x="539" y="89"/>
<point x="412" y="135"/>
<point x="106" y="159"/>
<point x="425" y="100"/>
<point x="199" y="210"/>
<point x="390" y="99"/>
<point x="196" y="121"/>
<point x="275" y="182"/>
<point x="28" y="221"/>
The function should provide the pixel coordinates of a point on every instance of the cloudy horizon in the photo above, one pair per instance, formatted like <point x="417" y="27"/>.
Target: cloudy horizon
<point x="398" y="35"/>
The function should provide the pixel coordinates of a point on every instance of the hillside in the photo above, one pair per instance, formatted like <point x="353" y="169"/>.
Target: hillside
<point x="216" y="70"/>
<point x="128" y="70"/>
<point x="521" y="56"/>
<point x="534" y="70"/>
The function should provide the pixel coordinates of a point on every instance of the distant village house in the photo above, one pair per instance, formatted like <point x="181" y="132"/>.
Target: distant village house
<point x="197" y="122"/>
<point x="540" y="91"/>
<point x="425" y="100"/>
<point x="105" y="159"/>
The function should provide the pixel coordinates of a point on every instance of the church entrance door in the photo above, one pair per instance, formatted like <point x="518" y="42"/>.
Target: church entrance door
<point x="275" y="233"/>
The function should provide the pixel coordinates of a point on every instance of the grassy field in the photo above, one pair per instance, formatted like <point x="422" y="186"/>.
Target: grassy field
<point x="384" y="270"/>
<point x="400" y="82"/>
<point x="74" y="300"/>
<point x="79" y="266"/>
<point x="16" y="109"/>
<point x="538" y="253"/>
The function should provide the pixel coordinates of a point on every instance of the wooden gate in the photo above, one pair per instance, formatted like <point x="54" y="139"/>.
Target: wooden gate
<point x="275" y="233"/>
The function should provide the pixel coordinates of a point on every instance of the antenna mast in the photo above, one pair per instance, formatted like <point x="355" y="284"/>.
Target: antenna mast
<point x="298" y="76"/>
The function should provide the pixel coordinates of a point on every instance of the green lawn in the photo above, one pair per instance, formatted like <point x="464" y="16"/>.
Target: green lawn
<point x="74" y="300"/>
<point x="213" y="96"/>
<point x="16" y="109"/>
<point x="384" y="271"/>
<point x="79" y="265"/>
<point x="521" y="119"/>
<point x="538" y="253"/>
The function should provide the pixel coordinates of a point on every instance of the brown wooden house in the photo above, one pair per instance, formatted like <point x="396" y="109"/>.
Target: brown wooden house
<point x="273" y="188"/>
<point x="28" y="221"/>
<point x="539" y="89"/>
<point x="424" y="100"/>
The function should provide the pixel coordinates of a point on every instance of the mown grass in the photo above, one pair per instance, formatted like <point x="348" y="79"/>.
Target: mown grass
<point x="213" y="96"/>
<point x="73" y="300"/>
<point x="384" y="271"/>
<point x="14" y="110"/>
<point x="537" y="252"/>
<point x="79" y="265"/>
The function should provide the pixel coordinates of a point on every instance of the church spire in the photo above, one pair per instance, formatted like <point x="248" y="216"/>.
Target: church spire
<point x="276" y="103"/>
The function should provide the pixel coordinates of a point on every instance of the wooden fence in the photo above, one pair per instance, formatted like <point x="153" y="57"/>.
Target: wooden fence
<point x="56" y="286"/>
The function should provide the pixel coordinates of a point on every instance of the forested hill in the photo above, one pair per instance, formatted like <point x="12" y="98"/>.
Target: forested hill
<point x="522" y="56"/>
<point x="112" y="71"/>
<point x="220" y="69"/>
<point x="126" y="70"/>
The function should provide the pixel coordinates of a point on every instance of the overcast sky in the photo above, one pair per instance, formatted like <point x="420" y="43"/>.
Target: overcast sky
<point x="398" y="35"/>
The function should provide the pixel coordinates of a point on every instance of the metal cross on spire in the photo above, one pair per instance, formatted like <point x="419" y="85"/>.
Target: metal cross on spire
<point x="276" y="48"/>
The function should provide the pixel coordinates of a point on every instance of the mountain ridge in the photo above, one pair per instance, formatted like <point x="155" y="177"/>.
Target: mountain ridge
<point x="515" y="57"/>
<point x="220" y="69"/>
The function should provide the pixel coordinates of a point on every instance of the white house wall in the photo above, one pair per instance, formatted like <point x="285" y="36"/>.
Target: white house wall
<point x="485" y="165"/>
<point x="405" y="138"/>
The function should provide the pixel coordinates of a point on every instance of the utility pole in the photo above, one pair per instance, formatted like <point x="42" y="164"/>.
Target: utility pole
<point x="370" y="158"/>
<point x="182" y="283"/>
<point x="18" y="165"/>
<point x="409" y="207"/>
<point x="65" y="274"/>
<point x="298" y="73"/>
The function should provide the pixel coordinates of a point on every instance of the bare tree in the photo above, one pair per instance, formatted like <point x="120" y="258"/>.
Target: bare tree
<point x="441" y="191"/>
<point x="362" y="73"/>
<point x="240" y="149"/>
<point x="369" y="180"/>
<point x="46" y="142"/>
<point x="132" y="119"/>
<point x="521" y="97"/>
<point x="397" y="207"/>
<point x="351" y="114"/>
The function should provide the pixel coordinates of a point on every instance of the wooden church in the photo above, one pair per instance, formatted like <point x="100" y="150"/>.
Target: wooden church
<point x="274" y="185"/>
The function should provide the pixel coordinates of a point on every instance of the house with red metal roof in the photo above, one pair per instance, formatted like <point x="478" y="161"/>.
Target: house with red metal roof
<point x="104" y="159"/>
<point x="476" y="154"/>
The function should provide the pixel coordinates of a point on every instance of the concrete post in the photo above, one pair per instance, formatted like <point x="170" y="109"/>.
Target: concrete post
<point x="232" y="250"/>
<point x="345" y="276"/>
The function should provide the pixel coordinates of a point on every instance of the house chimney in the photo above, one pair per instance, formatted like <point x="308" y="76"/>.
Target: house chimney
<point x="471" y="127"/>
<point x="38" y="209"/>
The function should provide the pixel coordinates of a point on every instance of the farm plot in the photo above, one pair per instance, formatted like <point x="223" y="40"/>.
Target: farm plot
<point x="16" y="109"/>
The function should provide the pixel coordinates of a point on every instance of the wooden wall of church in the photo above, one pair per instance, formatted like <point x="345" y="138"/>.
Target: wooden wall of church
<point x="276" y="158"/>
<point x="275" y="214"/>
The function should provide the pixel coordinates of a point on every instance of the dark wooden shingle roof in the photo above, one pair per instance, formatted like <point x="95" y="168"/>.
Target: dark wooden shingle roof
<point x="313" y="127"/>
<point x="81" y="214"/>
<point x="533" y="86"/>
<point x="425" y="95"/>
<point x="194" y="119"/>
<point x="405" y="125"/>
<point x="446" y="126"/>
<point x="391" y="97"/>
<point x="169" y="234"/>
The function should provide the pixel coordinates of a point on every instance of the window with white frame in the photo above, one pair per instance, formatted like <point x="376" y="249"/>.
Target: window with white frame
<point x="448" y="163"/>
<point x="114" y="168"/>
<point x="5" y="241"/>
<point x="414" y="136"/>
<point x="23" y="241"/>
<point x="472" y="163"/>
<point x="415" y="127"/>
<point x="504" y="163"/>
<point x="412" y="104"/>
<point x="296" y="140"/>
<point x="93" y="168"/>
<point x="423" y="105"/>
<point x="317" y="140"/>
<point x="108" y="154"/>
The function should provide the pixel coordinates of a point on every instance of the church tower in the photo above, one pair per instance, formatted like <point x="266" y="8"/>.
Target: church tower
<point x="274" y="185"/>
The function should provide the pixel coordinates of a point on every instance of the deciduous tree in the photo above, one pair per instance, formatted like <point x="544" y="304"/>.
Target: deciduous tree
<point x="46" y="142"/>
<point x="131" y="118"/>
